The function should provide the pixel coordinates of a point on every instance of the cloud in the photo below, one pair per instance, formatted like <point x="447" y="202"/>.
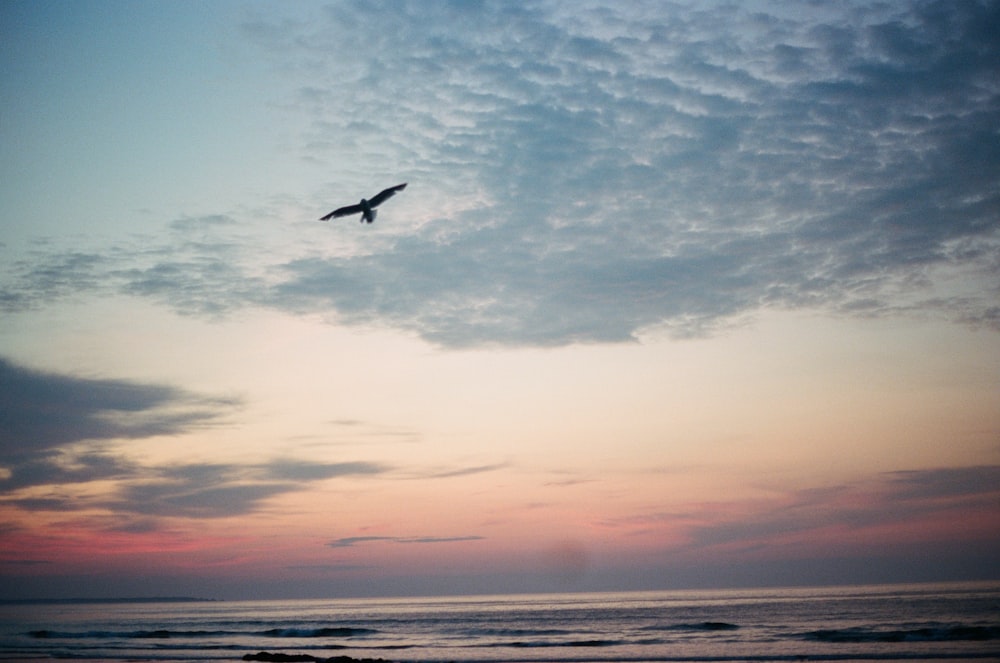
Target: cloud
<point x="41" y="411"/>
<point x="946" y="483"/>
<point x="46" y="274"/>
<point x="185" y="491"/>
<point x="195" y="490"/>
<point x="196" y="265"/>
<point x="296" y="470"/>
<point x="465" y="471"/>
<point x="351" y="541"/>
<point x="589" y="175"/>
<point x="193" y="499"/>
<point x="61" y="467"/>
<point x="62" y="432"/>
<point x="671" y="168"/>
<point x="916" y="505"/>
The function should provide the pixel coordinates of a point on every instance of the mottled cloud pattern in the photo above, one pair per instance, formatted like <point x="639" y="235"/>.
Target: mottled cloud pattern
<point x="587" y="173"/>
<point x="650" y="174"/>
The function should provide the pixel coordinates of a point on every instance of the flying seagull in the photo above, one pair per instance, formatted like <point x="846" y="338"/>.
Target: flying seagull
<point x="366" y="207"/>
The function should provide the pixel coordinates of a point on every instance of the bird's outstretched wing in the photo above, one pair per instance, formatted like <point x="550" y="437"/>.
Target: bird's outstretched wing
<point x="383" y="196"/>
<point x="342" y="211"/>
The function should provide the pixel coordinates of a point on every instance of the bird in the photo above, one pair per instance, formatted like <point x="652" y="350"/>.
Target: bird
<point x="366" y="207"/>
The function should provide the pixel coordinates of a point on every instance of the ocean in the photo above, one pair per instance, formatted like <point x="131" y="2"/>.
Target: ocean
<point x="942" y="622"/>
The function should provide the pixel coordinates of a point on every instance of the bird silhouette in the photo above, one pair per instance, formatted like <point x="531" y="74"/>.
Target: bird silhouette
<point x="366" y="207"/>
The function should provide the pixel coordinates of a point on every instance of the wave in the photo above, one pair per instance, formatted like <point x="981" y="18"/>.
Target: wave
<point x="696" y="626"/>
<point x="163" y="634"/>
<point x="571" y="643"/>
<point x="516" y="632"/>
<point x="324" y="632"/>
<point x="45" y="634"/>
<point x="705" y="626"/>
<point x="952" y="633"/>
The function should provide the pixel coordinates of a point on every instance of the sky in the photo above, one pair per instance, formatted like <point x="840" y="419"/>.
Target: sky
<point x="679" y="295"/>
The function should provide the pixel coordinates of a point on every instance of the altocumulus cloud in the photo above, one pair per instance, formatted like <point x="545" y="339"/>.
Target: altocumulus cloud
<point x="652" y="165"/>
<point x="585" y="172"/>
<point x="199" y="266"/>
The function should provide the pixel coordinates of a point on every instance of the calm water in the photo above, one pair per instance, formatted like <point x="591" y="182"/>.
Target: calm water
<point x="912" y="622"/>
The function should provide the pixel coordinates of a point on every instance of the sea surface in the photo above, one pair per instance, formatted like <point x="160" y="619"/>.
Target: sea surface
<point x="949" y="622"/>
